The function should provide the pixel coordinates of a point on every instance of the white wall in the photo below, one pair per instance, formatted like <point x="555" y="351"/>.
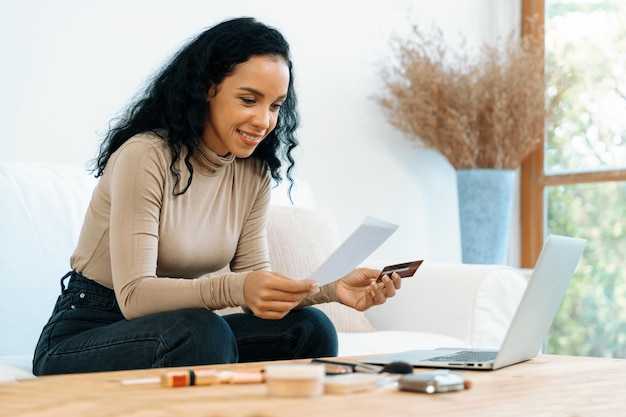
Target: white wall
<point x="70" y="65"/>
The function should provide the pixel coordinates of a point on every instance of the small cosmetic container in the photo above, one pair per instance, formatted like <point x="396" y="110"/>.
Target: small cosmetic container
<point x="295" y="380"/>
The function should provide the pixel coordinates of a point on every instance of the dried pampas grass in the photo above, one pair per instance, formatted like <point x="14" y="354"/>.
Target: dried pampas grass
<point x="481" y="112"/>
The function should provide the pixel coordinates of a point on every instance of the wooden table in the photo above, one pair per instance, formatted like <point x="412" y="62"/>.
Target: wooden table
<point x="545" y="386"/>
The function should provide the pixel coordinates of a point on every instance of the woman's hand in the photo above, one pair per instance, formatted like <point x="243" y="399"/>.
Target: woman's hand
<point x="359" y="288"/>
<point x="271" y="295"/>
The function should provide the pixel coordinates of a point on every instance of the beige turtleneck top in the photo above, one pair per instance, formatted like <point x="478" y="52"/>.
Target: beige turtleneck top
<point x="145" y="243"/>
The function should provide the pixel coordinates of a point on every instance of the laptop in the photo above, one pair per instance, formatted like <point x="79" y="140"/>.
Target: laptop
<point x="531" y="322"/>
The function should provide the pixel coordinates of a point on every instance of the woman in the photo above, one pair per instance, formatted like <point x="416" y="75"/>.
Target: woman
<point x="184" y="191"/>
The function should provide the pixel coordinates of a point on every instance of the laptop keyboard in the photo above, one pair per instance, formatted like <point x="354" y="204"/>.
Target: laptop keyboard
<point x="467" y="356"/>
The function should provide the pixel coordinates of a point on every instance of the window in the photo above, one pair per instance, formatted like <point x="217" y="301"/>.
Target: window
<point x="576" y="183"/>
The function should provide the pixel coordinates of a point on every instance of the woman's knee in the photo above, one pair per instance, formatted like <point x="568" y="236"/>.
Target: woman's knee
<point x="196" y="337"/>
<point x="319" y="328"/>
<point x="318" y="319"/>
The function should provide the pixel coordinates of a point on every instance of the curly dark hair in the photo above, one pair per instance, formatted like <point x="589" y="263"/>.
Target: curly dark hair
<point x="174" y="102"/>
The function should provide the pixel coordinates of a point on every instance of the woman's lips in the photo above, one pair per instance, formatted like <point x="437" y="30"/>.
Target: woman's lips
<point x="248" y="139"/>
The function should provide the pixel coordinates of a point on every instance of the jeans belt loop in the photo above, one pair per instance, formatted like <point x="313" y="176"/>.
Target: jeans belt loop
<point x="63" y="288"/>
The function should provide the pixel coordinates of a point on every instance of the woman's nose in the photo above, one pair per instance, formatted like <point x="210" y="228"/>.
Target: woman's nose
<point x="262" y="118"/>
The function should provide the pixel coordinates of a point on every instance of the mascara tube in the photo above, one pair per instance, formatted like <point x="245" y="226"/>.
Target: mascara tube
<point x="186" y="378"/>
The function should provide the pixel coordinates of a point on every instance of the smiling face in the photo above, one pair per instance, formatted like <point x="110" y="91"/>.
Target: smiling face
<point x="244" y="107"/>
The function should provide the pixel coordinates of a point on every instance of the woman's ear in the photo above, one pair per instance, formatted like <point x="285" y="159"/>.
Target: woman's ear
<point x="210" y="93"/>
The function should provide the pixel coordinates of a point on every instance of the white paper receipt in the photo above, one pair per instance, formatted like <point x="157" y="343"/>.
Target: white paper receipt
<point x="359" y="245"/>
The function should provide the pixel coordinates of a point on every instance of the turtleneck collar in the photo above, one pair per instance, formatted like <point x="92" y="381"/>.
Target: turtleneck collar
<point x="209" y="163"/>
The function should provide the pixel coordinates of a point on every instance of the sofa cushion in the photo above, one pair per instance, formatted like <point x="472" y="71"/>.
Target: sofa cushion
<point x="392" y="341"/>
<point x="300" y="239"/>
<point x="475" y="303"/>
<point x="9" y="373"/>
<point x="15" y="367"/>
<point x="36" y="201"/>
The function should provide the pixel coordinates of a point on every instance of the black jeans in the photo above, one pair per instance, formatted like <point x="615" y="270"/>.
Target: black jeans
<point x="88" y="333"/>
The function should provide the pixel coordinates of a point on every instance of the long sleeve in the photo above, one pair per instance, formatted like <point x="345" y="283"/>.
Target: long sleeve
<point x="327" y="294"/>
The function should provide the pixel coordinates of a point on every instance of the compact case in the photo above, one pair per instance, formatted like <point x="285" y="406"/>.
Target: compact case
<point x="289" y="380"/>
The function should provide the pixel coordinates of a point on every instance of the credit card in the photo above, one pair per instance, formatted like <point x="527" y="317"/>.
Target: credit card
<point x="405" y="269"/>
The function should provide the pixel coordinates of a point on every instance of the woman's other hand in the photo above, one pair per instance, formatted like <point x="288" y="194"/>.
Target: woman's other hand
<point x="359" y="288"/>
<point x="271" y="295"/>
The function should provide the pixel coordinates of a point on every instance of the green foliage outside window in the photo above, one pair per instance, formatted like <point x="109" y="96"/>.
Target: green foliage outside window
<point x="592" y="317"/>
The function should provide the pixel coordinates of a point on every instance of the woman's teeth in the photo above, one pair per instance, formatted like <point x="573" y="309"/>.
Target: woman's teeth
<point x="249" y="137"/>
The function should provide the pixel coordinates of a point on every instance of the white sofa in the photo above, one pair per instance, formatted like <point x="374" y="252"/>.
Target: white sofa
<point x="41" y="212"/>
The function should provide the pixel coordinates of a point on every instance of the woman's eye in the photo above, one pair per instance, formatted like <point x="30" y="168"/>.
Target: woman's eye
<point x="276" y="106"/>
<point x="248" y="101"/>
